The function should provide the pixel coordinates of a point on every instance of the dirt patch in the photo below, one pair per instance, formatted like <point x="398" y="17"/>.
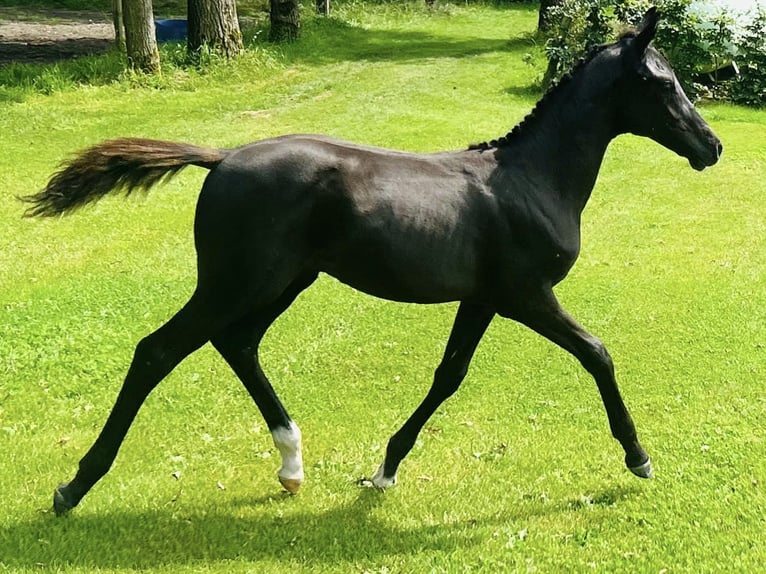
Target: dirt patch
<point x="48" y="36"/>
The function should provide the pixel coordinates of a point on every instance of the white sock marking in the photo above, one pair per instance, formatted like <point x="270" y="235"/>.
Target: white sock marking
<point x="288" y="443"/>
<point x="381" y="481"/>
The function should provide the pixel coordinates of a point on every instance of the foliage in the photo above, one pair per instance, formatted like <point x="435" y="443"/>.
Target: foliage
<point x="17" y="81"/>
<point x="576" y="25"/>
<point x="692" y="42"/>
<point x="750" y="86"/>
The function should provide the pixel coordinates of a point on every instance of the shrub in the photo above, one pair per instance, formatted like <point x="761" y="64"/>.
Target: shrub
<point x="576" y="25"/>
<point x="750" y="86"/>
<point x="692" y="41"/>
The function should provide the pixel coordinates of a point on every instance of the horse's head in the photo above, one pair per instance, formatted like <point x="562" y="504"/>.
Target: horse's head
<point x="654" y="105"/>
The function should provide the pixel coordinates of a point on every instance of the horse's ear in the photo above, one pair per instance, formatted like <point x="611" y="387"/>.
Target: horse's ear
<point x="647" y="29"/>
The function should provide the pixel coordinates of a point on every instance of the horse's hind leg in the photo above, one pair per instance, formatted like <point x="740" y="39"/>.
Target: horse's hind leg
<point x="155" y="356"/>
<point x="469" y="327"/>
<point x="238" y="344"/>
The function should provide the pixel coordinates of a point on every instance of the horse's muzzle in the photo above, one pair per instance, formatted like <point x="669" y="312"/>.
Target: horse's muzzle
<point x="711" y="157"/>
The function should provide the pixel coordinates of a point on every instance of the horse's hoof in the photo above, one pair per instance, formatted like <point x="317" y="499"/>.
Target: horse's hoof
<point x="291" y="485"/>
<point x="380" y="480"/>
<point x="376" y="484"/>
<point x="383" y="482"/>
<point x="643" y="470"/>
<point x="61" y="502"/>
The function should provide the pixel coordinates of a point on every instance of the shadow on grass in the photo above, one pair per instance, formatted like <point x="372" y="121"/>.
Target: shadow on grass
<point x="533" y="90"/>
<point x="330" y="40"/>
<point x="606" y="498"/>
<point x="174" y="536"/>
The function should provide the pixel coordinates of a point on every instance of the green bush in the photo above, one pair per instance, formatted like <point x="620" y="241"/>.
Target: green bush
<point x="577" y="24"/>
<point x="750" y="86"/>
<point x="692" y="42"/>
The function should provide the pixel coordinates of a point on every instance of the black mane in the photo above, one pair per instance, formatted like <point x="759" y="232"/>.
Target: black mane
<point x="542" y="104"/>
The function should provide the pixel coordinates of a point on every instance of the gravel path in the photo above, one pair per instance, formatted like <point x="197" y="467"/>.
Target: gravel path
<point x="50" y="36"/>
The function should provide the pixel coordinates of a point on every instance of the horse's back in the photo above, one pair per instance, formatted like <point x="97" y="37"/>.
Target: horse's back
<point x="398" y="225"/>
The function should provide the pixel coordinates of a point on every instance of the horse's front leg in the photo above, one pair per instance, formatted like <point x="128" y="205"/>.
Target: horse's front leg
<point x="542" y="313"/>
<point x="470" y="324"/>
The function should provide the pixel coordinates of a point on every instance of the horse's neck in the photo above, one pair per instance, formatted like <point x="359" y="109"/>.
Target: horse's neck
<point x="567" y="143"/>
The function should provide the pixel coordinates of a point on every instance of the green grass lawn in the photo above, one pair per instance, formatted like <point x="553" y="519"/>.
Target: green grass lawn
<point x="517" y="472"/>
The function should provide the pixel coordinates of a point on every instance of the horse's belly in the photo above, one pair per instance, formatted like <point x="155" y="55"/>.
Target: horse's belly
<point x="423" y="283"/>
<point x="414" y="251"/>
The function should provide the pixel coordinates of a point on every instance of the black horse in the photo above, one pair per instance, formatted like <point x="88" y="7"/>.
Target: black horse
<point x="495" y="227"/>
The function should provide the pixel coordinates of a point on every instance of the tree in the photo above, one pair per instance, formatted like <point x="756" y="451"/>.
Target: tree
<point x="119" y="25"/>
<point x="214" y="23"/>
<point x="285" y="20"/>
<point x="323" y="7"/>
<point x="543" y="20"/>
<point x="140" y="40"/>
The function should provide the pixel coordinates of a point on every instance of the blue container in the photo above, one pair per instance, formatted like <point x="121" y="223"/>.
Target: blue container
<point x="170" y="30"/>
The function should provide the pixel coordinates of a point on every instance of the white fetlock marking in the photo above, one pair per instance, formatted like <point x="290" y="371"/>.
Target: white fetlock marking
<point x="288" y="443"/>
<point x="381" y="481"/>
<point x="644" y="470"/>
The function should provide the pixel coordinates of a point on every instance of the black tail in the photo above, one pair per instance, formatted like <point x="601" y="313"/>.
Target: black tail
<point x="126" y="163"/>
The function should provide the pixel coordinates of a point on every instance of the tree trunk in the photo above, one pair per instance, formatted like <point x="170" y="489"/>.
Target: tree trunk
<point x="543" y="20"/>
<point x="214" y="23"/>
<point x="140" y="40"/>
<point x="119" y="25"/>
<point x="285" y="20"/>
<point x="323" y="7"/>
